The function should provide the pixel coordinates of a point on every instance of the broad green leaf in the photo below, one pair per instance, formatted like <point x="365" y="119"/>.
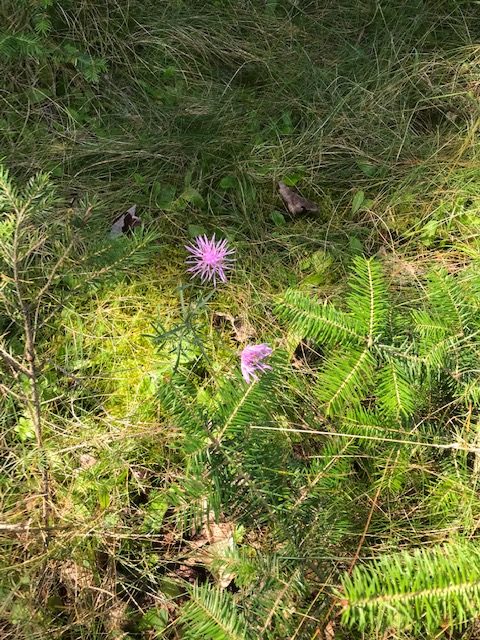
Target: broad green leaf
<point x="163" y="194"/>
<point x="367" y="168"/>
<point x="357" y="202"/>
<point x="278" y="219"/>
<point x="195" y="230"/>
<point x="228" y="182"/>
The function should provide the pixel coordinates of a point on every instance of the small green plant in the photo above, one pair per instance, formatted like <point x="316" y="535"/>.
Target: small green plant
<point x="186" y="335"/>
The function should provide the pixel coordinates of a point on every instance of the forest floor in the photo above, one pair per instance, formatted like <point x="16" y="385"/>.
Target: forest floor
<point x="193" y="112"/>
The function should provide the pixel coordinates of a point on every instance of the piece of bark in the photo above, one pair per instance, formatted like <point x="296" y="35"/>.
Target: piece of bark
<point x="294" y="202"/>
<point x="241" y="330"/>
<point x="211" y="548"/>
<point x="87" y="461"/>
<point x="126" y="223"/>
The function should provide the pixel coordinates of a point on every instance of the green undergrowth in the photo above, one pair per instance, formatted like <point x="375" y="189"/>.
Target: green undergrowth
<point x="147" y="490"/>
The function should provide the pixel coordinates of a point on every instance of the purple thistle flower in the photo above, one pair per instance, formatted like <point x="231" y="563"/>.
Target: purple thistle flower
<point x="210" y="258"/>
<point x="251" y="360"/>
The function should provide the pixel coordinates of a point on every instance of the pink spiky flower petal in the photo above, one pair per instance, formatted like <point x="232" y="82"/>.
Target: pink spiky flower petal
<point x="210" y="259"/>
<point x="251" y="360"/>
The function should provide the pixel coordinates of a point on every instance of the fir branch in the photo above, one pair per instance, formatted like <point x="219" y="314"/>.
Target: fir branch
<point x="368" y="297"/>
<point x="394" y="390"/>
<point x="321" y="322"/>
<point x="239" y="404"/>
<point x="450" y="301"/>
<point x="429" y="588"/>
<point x="345" y="379"/>
<point x="210" y="614"/>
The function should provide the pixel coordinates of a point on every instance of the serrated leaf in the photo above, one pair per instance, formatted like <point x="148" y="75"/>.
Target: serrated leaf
<point x="355" y="245"/>
<point x="313" y="279"/>
<point x="156" y="619"/>
<point x="156" y="509"/>
<point x="139" y="179"/>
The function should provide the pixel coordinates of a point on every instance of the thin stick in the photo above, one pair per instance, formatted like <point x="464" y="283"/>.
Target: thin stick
<point x="456" y="446"/>
<point x="31" y="358"/>
<point x="13" y="362"/>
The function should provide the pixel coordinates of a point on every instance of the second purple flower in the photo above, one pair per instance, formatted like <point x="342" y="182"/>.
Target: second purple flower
<point x="252" y="361"/>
